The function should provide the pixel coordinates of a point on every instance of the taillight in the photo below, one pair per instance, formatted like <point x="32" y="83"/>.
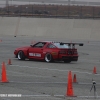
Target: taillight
<point x="69" y="52"/>
<point x="62" y="52"/>
<point x="75" y="52"/>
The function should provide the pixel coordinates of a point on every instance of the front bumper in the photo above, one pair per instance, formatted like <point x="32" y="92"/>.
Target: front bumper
<point x="15" y="53"/>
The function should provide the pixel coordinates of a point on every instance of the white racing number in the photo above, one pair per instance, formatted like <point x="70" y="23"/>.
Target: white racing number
<point x="30" y="54"/>
<point x="35" y="54"/>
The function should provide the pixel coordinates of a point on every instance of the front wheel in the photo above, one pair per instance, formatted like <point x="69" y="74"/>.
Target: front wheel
<point x="48" y="57"/>
<point x="21" y="55"/>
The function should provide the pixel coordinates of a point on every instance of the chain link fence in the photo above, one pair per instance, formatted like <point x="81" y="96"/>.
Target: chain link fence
<point x="50" y="11"/>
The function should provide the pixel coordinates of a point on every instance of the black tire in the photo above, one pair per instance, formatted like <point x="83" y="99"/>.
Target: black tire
<point x="67" y="61"/>
<point x="48" y="57"/>
<point x="21" y="55"/>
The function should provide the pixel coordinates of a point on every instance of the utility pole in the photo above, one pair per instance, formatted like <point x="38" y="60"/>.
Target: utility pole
<point x="69" y="2"/>
<point x="11" y="2"/>
<point x="7" y="3"/>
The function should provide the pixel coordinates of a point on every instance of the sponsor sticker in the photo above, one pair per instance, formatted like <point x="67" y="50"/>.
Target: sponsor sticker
<point x="54" y="53"/>
<point x="30" y="54"/>
<point x="10" y="95"/>
<point x="35" y="54"/>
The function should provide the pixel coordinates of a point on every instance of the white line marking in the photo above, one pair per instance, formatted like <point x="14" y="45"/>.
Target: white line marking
<point x="43" y="96"/>
<point x="13" y="65"/>
<point x="88" y="96"/>
<point x="24" y="74"/>
<point x="50" y="83"/>
<point x="27" y="75"/>
<point x="39" y="82"/>
<point x="16" y="72"/>
<point x="60" y="96"/>
<point x="53" y="69"/>
<point x="36" y="95"/>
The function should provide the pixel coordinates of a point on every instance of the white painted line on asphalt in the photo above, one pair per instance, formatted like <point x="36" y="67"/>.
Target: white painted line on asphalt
<point x="79" y="83"/>
<point x="38" y="82"/>
<point x="92" y="97"/>
<point x="13" y="65"/>
<point x="27" y="75"/>
<point x="84" y="83"/>
<point x="36" y="95"/>
<point x="24" y="74"/>
<point x="59" y="95"/>
<point x="54" y="69"/>
<point x="16" y="72"/>
<point x="43" y="96"/>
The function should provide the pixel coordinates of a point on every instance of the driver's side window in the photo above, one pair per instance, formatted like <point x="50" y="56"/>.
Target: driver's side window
<point x="39" y="45"/>
<point x="51" y="46"/>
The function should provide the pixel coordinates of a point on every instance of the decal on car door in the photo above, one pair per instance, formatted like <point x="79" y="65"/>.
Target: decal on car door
<point x="30" y="54"/>
<point x="35" y="54"/>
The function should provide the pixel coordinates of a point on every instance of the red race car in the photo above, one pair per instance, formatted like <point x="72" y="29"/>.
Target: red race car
<point x="49" y="51"/>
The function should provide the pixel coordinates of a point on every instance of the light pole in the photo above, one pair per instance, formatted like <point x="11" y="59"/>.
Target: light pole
<point x="26" y="10"/>
<point x="74" y="2"/>
<point x="12" y="2"/>
<point x="68" y="2"/>
<point x="6" y="3"/>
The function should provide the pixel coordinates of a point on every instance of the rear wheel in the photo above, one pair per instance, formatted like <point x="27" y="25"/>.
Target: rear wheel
<point x="21" y="55"/>
<point x="67" y="61"/>
<point x="48" y="57"/>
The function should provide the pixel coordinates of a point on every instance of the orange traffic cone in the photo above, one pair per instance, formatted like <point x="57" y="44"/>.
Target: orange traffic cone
<point x="74" y="79"/>
<point x="94" y="70"/>
<point x="69" y="85"/>
<point x="4" y="77"/>
<point x="9" y="62"/>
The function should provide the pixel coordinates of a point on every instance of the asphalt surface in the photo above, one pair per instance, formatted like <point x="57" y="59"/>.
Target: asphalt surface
<point x="39" y="80"/>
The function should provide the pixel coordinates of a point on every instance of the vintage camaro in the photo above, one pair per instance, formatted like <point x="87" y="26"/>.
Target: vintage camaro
<point x="49" y="51"/>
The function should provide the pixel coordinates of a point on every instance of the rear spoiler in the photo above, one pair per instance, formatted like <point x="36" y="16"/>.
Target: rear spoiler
<point x="80" y="44"/>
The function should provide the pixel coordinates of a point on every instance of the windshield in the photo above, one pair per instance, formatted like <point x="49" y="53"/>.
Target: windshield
<point x="61" y="45"/>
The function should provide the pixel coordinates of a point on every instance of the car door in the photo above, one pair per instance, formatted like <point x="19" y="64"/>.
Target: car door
<point x="36" y="51"/>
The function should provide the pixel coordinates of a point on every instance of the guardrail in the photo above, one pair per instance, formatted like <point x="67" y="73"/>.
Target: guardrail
<point x="49" y="11"/>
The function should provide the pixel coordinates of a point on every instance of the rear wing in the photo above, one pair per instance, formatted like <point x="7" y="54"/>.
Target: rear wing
<point x="72" y="45"/>
<point x="80" y="44"/>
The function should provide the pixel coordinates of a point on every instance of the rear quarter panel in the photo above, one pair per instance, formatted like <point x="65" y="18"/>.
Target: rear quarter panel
<point x="54" y="52"/>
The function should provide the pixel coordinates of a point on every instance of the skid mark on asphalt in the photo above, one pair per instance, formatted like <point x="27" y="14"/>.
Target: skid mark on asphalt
<point x="53" y="69"/>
